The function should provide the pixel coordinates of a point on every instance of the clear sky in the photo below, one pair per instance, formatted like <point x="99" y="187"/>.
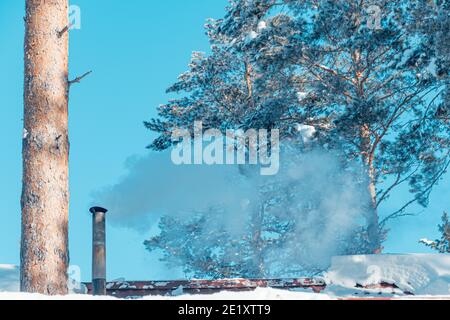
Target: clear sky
<point x="136" y="49"/>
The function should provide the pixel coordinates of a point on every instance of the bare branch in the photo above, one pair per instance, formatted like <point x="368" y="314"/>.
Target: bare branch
<point x="78" y="79"/>
<point x="64" y="30"/>
<point x="401" y="211"/>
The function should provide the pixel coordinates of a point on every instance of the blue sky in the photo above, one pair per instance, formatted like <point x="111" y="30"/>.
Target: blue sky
<point x="136" y="49"/>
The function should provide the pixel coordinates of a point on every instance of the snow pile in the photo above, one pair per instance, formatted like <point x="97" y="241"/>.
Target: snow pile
<point x="9" y="278"/>
<point x="35" y="297"/>
<point x="419" y="274"/>
<point x="258" y="294"/>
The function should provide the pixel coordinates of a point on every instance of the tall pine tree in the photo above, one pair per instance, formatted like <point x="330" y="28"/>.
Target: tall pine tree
<point x="45" y="195"/>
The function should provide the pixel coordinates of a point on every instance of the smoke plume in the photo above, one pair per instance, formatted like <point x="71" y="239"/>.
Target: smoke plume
<point x="325" y="199"/>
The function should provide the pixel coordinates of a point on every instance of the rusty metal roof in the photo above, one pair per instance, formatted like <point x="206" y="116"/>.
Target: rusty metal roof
<point x="130" y="289"/>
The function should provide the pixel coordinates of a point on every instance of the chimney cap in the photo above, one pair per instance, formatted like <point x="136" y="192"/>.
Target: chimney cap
<point x="98" y="209"/>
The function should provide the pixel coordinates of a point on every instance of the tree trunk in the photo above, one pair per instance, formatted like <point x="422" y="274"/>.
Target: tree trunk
<point x="45" y="193"/>
<point x="257" y="243"/>
<point x="372" y="213"/>
<point x="248" y="80"/>
<point x="373" y="231"/>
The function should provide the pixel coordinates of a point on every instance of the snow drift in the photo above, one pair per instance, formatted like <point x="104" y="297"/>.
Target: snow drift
<point x="9" y="278"/>
<point x="419" y="274"/>
<point x="258" y="294"/>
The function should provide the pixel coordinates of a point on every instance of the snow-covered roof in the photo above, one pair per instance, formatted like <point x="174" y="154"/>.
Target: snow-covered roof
<point x="418" y="276"/>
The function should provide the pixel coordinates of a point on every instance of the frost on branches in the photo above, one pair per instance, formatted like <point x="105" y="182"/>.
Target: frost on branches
<point x="376" y="97"/>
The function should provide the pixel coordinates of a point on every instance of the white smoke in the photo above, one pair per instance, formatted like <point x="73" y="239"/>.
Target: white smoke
<point x="155" y="187"/>
<point x="335" y="201"/>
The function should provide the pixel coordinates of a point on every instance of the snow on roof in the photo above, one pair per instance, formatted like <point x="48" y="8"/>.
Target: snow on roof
<point x="419" y="274"/>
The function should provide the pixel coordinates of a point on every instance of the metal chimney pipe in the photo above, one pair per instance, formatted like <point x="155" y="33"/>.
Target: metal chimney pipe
<point x="98" y="250"/>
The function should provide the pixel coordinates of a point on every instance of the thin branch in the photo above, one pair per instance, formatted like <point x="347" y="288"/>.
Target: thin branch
<point x="397" y="182"/>
<point x="66" y="28"/>
<point x="78" y="79"/>
<point x="388" y="190"/>
<point x="400" y="212"/>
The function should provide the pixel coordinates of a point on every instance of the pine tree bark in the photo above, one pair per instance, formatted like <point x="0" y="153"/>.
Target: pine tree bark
<point x="45" y="192"/>
<point x="373" y="232"/>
